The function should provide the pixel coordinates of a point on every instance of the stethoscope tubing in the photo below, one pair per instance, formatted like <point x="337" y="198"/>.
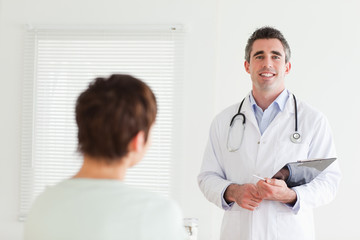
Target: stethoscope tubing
<point x="238" y="113"/>
<point x="244" y="119"/>
<point x="296" y="112"/>
<point x="295" y="137"/>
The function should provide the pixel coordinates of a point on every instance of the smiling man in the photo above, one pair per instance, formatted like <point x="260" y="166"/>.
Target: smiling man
<point x="267" y="67"/>
<point x="258" y="136"/>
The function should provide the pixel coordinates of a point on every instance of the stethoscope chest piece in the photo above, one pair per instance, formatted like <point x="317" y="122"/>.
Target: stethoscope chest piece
<point x="295" y="137"/>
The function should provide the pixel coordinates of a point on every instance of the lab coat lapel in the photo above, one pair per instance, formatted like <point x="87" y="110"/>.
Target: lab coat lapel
<point x="289" y="106"/>
<point x="286" y="113"/>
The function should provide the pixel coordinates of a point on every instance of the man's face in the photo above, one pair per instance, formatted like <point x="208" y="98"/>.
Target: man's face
<point x="267" y="66"/>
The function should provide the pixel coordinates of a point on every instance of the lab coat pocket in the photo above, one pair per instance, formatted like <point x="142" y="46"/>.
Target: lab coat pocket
<point x="298" y="226"/>
<point x="236" y="224"/>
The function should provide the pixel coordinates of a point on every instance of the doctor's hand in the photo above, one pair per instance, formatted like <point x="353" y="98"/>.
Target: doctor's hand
<point x="245" y="195"/>
<point x="276" y="190"/>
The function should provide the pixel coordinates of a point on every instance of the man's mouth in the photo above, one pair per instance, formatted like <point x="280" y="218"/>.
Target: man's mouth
<point x="267" y="74"/>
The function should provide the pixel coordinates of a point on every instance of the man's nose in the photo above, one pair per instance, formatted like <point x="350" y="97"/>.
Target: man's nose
<point x="267" y="62"/>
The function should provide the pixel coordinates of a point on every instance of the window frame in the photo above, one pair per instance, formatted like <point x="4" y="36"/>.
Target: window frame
<point x="31" y="96"/>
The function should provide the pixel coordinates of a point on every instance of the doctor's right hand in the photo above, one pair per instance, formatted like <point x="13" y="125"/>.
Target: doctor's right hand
<point x="245" y="195"/>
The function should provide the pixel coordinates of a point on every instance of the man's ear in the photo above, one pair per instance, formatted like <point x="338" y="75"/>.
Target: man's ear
<point x="247" y="66"/>
<point x="137" y="143"/>
<point x="288" y="68"/>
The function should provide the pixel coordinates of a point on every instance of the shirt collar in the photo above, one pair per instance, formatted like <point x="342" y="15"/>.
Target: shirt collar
<point x="280" y="101"/>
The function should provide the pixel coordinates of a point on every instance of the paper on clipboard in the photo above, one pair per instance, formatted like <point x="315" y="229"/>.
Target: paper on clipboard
<point x="302" y="172"/>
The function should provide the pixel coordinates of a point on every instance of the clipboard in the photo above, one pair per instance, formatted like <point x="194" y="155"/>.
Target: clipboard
<point x="303" y="171"/>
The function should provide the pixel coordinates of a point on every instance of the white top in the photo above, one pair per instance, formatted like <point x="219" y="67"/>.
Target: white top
<point x="102" y="209"/>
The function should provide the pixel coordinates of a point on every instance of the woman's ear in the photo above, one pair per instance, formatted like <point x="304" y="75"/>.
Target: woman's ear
<point x="136" y="149"/>
<point x="137" y="144"/>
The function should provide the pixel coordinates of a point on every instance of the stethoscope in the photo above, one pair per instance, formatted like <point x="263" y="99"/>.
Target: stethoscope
<point x="294" y="137"/>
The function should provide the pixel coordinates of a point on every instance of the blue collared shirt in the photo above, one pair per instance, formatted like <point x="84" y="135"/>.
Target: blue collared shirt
<point x="264" y="118"/>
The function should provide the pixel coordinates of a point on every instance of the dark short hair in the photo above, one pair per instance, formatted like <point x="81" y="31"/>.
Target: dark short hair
<point x="267" y="33"/>
<point x="110" y="112"/>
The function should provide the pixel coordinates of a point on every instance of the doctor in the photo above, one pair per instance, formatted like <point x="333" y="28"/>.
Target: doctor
<point x="268" y="130"/>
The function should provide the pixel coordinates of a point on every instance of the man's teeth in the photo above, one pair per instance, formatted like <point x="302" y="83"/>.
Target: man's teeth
<point x="267" y="74"/>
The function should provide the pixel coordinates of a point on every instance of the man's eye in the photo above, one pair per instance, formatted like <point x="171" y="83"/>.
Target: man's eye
<point x="276" y="57"/>
<point x="259" y="57"/>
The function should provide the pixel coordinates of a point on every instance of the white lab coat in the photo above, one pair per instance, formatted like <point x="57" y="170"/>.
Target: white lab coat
<point x="264" y="155"/>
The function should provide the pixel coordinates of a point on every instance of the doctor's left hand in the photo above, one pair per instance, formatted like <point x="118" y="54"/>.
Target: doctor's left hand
<point x="276" y="190"/>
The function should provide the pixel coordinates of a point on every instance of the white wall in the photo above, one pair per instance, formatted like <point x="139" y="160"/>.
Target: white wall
<point x="324" y="37"/>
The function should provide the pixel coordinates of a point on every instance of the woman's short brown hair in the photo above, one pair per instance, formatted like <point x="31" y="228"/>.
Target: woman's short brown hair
<point x="110" y="112"/>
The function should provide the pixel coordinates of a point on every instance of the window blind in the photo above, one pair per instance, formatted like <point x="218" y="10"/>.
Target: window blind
<point x="59" y="63"/>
